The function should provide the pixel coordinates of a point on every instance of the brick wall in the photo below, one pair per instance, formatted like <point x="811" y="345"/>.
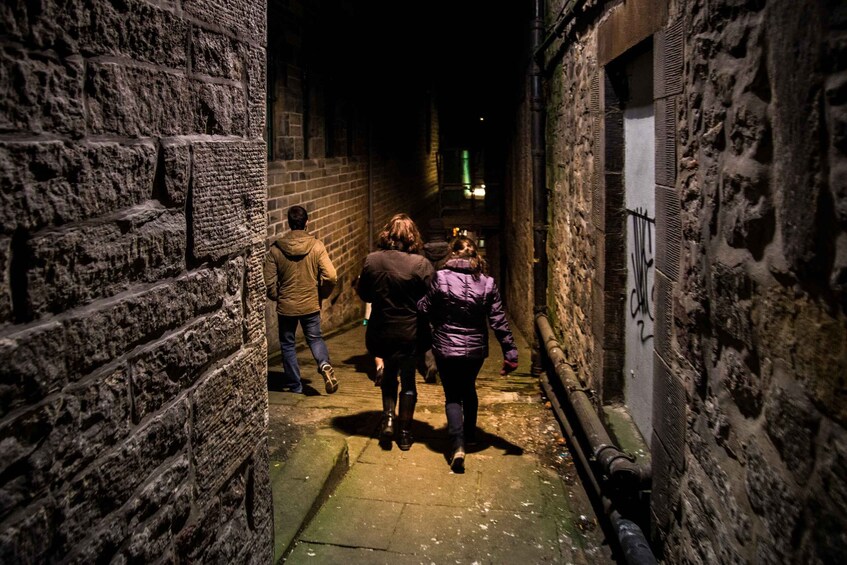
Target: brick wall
<point x="750" y="447"/>
<point x="380" y="151"/>
<point x="132" y="344"/>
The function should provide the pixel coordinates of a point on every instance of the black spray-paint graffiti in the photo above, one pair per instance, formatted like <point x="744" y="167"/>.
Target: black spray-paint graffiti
<point x="641" y="298"/>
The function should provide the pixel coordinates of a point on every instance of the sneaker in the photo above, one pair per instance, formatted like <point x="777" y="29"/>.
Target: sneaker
<point x="329" y="378"/>
<point x="457" y="462"/>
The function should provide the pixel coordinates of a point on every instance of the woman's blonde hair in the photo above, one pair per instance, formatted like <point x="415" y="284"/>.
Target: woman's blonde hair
<point x="401" y="234"/>
<point x="463" y="247"/>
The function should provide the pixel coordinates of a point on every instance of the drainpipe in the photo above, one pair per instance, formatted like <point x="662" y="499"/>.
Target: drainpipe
<point x="631" y="538"/>
<point x="539" y="183"/>
<point x="623" y="473"/>
<point x="370" y="186"/>
<point x="618" y="469"/>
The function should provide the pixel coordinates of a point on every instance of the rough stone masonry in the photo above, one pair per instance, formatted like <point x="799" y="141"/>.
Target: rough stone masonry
<point x="749" y="442"/>
<point x="133" y="397"/>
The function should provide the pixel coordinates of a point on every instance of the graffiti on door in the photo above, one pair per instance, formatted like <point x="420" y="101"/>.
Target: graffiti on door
<point x="641" y="295"/>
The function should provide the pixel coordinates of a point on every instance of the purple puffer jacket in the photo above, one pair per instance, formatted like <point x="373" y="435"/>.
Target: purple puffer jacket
<point x="460" y="308"/>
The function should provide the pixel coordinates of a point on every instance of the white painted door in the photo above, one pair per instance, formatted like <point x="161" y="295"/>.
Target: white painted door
<point x="639" y="183"/>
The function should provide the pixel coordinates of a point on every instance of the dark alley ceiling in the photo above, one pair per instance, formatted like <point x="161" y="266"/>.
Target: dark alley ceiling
<point x="470" y="54"/>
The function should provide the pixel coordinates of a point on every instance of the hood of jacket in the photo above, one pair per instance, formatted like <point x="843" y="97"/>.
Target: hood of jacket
<point x="460" y="265"/>
<point x="436" y="250"/>
<point x="296" y="243"/>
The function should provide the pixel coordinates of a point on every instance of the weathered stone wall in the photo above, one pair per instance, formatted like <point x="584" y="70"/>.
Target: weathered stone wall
<point x="132" y="347"/>
<point x="761" y="327"/>
<point x="757" y="310"/>
<point x="384" y="149"/>
<point x="517" y="230"/>
<point x="571" y="155"/>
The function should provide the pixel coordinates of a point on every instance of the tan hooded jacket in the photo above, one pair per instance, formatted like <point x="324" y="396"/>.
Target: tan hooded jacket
<point x="298" y="274"/>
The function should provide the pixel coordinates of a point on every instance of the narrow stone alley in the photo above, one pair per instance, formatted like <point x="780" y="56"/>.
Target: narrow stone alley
<point x="658" y="188"/>
<point x="520" y="499"/>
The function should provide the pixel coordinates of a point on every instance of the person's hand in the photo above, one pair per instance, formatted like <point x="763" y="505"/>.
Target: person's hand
<point x="508" y="367"/>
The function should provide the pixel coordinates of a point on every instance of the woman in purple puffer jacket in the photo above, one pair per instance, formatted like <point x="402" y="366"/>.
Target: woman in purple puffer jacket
<point x="460" y="304"/>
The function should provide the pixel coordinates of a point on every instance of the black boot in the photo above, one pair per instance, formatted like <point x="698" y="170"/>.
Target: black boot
<point x="407" y="412"/>
<point x="457" y="460"/>
<point x="386" y="431"/>
<point x="389" y="401"/>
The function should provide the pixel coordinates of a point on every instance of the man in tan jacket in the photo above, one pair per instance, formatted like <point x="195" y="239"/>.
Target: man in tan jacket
<point x="298" y="275"/>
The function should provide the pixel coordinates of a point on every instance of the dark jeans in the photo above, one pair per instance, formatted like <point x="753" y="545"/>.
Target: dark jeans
<point x="402" y="363"/>
<point x="311" y="324"/>
<point x="458" y="378"/>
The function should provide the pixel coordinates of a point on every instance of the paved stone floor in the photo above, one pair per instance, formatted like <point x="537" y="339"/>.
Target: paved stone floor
<point x="519" y="501"/>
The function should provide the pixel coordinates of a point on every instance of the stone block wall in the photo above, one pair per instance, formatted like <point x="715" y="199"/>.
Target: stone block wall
<point x="517" y="232"/>
<point x="384" y="150"/>
<point x="751" y="372"/>
<point x="132" y="344"/>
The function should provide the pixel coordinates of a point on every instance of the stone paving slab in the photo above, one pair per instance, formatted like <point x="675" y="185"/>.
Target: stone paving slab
<point x="301" y="484"/>
<point x="320" y="553"/>
<point x="354" y="522"/>
<point x="416" y="479"/>
<point x="467" y="535"/>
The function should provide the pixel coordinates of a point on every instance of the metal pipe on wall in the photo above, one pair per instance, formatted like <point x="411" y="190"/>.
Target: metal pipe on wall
<point x="539" y="165"/>
<point x="623" y="472"/>
<point x="631" y="538"/>
<point x="370" y="186"/>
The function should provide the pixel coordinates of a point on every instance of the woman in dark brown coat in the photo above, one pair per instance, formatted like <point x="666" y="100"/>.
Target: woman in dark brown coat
<point x="393" y="279"/>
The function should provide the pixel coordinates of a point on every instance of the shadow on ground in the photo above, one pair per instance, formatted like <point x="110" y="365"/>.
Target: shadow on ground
<point x="366" y="424"/>
<point x="276" y="378"/>
<point x="361" y="363"/>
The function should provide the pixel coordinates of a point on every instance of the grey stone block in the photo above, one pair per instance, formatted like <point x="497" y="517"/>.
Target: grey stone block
<point x="32" y="365"/>
<point x="53" y="183"/>
<point x="247" y="19"/>
<point x="748" y="211"/>
<point x="175" y="161"/>
<point x="27" y="537"/>
<point x="216" y="55"/>
<point x="41" y="93"/>
<point x="218" y="109"/>
<point x="254" y="313"/>
<point x="228" y="202"/>
<point x="746" y="386"/>
<point x="81" y="264"/>
<point x="228" y="409"/>
<point x="732" y="289"/>
<point x="256" y="91"/>
<point x="163" y="371"/>
<point x="137" y="102"/>
<point x="134" y="29"/>
<point x="836" y="119"/>
<point x="57" y="439"/>
<point x="826" y="539"/>
<point x="97" y="337"/>
<point x="111" y="483"/>
<point x="260" y="498"/>
<point x="157" y="511"/>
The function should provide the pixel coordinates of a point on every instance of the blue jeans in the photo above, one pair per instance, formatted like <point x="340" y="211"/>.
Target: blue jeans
<point x="311" y="324"/>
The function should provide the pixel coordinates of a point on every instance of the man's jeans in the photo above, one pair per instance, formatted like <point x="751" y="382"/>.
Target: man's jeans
<point x="311" y="324"/>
